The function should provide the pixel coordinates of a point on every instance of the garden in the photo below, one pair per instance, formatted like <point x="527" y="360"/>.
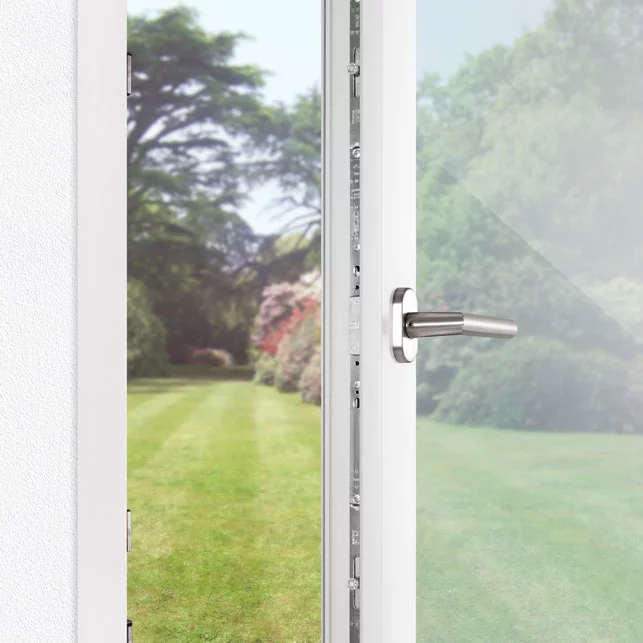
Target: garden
<point x="529" y="206"/>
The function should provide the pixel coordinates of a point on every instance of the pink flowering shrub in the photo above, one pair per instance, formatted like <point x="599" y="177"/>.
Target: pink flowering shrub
<point x="287" y="333"/>
<point x="279" y="302"/>
<point x="301" y="335"/>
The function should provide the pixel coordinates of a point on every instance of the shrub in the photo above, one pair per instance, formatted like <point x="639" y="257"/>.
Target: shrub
<point x="310" y="384"/>
<point x="437" y="364"/>
<point x="538" y="384"/>
<point x="147" y="354"/>
<point x="217" y="357"/>
<point x="278" y="304"/>
<point x="297" y="347"/>
<point x="265" y="368"/>
<point x="287" y="331"/>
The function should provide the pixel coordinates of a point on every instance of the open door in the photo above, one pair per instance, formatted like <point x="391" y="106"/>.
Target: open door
<point x="510" y="508"/>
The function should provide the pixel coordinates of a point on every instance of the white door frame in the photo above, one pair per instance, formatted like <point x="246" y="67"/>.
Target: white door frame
<point x="388" y="72"/>
<point x="101" y="275"/>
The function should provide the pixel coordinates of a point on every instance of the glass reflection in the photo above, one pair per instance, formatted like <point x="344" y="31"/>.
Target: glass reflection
<point x="530" y="509"/>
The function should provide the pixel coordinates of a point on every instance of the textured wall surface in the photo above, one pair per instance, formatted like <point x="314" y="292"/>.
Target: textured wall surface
<point x="37" y="321"/>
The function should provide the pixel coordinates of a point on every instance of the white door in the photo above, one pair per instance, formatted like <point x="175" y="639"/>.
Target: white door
<point x="510" y="508"/>
<point x="388" y="262"/>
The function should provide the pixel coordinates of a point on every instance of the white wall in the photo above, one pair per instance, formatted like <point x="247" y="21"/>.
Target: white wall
<point x="37" y="321"/>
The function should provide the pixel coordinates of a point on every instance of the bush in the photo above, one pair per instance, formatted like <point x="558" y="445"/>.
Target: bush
<point x="147" y="354"/>
<point x="265" y="368"/>
<point x="287" y="334"/>
<point x="216" y="357"/>
<point x="279" y="303"/>
<point x="438" y="362"/>
<point x="297" y="348"/>
<point x="537" y="384"/>
<point x="310" y="384"/>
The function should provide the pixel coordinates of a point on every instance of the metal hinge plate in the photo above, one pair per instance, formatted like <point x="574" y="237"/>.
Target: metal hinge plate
<point x="129" y="74"/>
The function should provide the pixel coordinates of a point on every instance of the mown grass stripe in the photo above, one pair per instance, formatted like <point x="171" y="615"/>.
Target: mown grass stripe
<point x="211" y="520"/>
<point x="523" y="524"/>
<point x="151" y="423"/>
<point x="290" y="503"/>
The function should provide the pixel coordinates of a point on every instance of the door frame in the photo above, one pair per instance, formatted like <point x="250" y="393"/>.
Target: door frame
<point x="101" y="331"/>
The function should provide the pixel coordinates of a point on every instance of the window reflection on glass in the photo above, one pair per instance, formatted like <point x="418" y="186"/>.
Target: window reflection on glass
<point x="224" y="297"/>
<point x="530" y="453"/>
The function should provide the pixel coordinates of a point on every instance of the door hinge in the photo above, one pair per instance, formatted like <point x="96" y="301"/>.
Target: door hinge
<point x="129" y="74"/>
<point x="130" y="632"/>
<point x="128" y="528"/>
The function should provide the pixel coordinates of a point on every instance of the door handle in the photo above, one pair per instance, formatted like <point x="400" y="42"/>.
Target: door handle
<point x="408" y="325"/>
<point x="418" y="325"/>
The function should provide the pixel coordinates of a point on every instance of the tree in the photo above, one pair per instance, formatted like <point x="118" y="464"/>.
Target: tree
<point x="193" y="115"/>
<point x="146" y="337"/>
<point x="199" y="136"/>
<point x="297" y="163"/>
<point x="546" y="133"/>
<point x="528" y="185"/>
<point x="195" y="120"/>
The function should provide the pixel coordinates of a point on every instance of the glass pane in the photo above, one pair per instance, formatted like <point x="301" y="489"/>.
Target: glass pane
<point x="224" y="294"/>
<point x="530" y="452"/>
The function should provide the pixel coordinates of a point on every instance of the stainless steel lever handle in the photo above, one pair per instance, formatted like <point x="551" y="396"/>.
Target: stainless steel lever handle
<point x="408" y="325"/>
<point x="439" y="324"/>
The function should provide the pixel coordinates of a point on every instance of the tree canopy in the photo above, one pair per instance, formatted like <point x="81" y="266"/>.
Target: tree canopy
<point x="200" y="136"/>
<point x="529" y="185"/>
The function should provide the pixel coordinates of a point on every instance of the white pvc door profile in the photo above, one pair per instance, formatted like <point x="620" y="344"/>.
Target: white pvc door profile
<point x="101" y="279"/>
<point x="370" y="209"/>
<point x="388" y="80"/>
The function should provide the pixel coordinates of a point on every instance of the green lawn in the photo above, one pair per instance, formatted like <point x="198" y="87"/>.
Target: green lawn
<point x="224" y="486"/>
<point x="529" y="536"/>
<point x="521" y="536"/>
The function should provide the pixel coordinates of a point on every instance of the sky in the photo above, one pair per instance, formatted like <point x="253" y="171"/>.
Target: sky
<point x="287" y="41"/>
